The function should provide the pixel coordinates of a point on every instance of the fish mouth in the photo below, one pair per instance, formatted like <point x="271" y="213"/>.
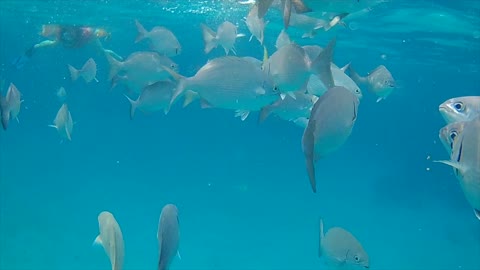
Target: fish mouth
<point x="442" y="108"/>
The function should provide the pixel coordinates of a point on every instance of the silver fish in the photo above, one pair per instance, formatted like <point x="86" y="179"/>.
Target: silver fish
<point x="153" y="98"/>
<point x="162" y="40"/>
<point x="309" y="25"/>
<point x="168" y="236"/>
<point x="140" y="69"/>
<point x="340" y="248"/>
<point x="449" y="133"/>
<point x="225" y="36"/>
<point x="111" y="239"/>
<point x="290" y="108"/>
<point x="316" y="87"/>
<point x="290" y="67"/>
<point x="460" y="109"/>
<point x="329" y="126"/>
<point x="229" y="82"/>
<point x="379" y="81"/>
<point x="465" y="161"/>
<point x="255" y="25"/>
<point x="87" y="72"/>
<point x="63" y="122"/>
<point x="10" y="105"/>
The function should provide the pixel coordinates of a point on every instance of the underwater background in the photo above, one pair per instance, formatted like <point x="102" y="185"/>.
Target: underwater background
<point x="241" y="187"/>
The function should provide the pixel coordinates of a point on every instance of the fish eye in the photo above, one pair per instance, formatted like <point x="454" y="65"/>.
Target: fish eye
<point x="172" y="65"/>
<point x="453" y="135"/>
<point x="458" y="106"/>
<point x="357" y="258"/>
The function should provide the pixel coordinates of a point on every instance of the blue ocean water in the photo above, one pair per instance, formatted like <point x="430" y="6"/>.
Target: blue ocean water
<point x="241" y="188"/>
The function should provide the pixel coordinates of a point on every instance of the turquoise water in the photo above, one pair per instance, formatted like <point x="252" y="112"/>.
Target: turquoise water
<point x="241" y="188"/>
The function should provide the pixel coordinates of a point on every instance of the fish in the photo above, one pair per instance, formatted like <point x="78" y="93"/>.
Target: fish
<point x="87" y="72"/>
<point x="225" y="36"/>
<point x="460" y="109"/>
<point x="255" y="25"/>
<point x="316" y="87"/>
<point x="140" y="69"/>
<point x="161" y="39"/>
<point x="449" y="133"/>
<point x="229" y="82"/>
<point x="111" y="238"/>
<point x="379" y="81"/>
<point x="465" y="161"/>
<point x="290" y="67"/>
<point x="309" y="25"/>
<point x="340" y="249"/>
<point x="154" y="97"/>
<point x="61" y="94"/>
<point x="63" y="122"/>
<point x="10" y="105"/>
<point x="282" y="39"/>
<point x="168" y="236"/>
<point x="329" y="126"/>
<point x="290" y="108"/>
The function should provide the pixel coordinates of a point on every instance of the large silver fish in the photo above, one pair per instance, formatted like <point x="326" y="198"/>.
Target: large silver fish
<point x="162" y="40"/>
<point x="460" y="109"/>
<point x="225" y="36"/>
<point x="229" y="82"/>
<point x="379" y="81"/>
<point x="153" y="98"/>
<point x="168" y="236"/>
<point x="290" y="67"/>
<point x="140" y="69"/>
<point x="10" y="105"/>
<point x="341" y="250"/>
<point x="111" y="238"/>
<point x="465" y="161"/>
<point x="329" y="126"/>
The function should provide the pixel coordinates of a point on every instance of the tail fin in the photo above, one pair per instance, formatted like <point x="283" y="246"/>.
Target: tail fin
<point x="133" y="106"/>
<point x="190" y="96"/>
<point x="264" y="113"/>
<point x="74" y="73"/>
<point x="115" y="66"/>
<point x="141" y="31"/>
<point x="208" y="38"/>
<point x="181" y="84"/>
<point x="321" y="66"/>
<point x="355" y="77"/>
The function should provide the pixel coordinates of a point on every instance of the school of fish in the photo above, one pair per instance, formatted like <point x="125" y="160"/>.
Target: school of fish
<point x="299" y="84"/>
